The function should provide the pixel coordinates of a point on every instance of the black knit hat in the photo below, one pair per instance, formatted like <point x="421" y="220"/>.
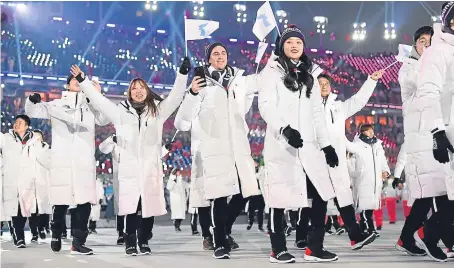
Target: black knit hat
<point x="423" y="30"/>
<point x="210" y="48"/>
<point x="23" y="117"/>
<point x="291" y="31"/>
<point x="447" y="13"/>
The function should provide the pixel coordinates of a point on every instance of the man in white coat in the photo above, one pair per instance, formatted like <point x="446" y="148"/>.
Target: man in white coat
<point x="95" y="213"/>
<point x="177" y="190"/>
<point x="19" y="149"/>
<point x="218" y="100"/>
<point x="336" y="112"/>
<point x="430" y="130"/>
<point x="73" y="170"/>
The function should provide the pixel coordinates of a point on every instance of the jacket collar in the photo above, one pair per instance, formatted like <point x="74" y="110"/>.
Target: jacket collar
<point x="27" y="137"/>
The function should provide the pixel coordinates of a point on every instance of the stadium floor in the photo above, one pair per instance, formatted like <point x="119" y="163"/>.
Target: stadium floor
<point x="181" y="250"/>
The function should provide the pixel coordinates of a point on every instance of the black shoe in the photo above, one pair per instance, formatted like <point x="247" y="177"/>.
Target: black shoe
<point x="177" y="229"/>
<point x="42" y="234"/>
<point x="328" y="233"/>
<point x="64" y="235"/>
<point x="195" y="232"/>
<point x="130" y="244"/>
<point x="207" y="243"/>
<point x="144" y="249"/>
<point x="232" y="243"/>
<point x="340" y="231"/>
<point x="249" y="226"/>
<point x="410" y="249"/>
<point x="392" y="222"/>
<point x="120" y="241"/>
<point x="55" y="244"/>
<point x="302" y="244"/>
<point x="282" y="257"/>
<point x="432" y="249"/>
<point x="261" y="229"/>
<point x="364" y="240"/>
<point x="319" y="256"/>
<point x="34" y="239"/>
<point x="93" y="231"/>
<point x="379" y="227"/>
<point x="20" y="243"/>
<point x="81" y="250"/>
<point x="221" y="253"/>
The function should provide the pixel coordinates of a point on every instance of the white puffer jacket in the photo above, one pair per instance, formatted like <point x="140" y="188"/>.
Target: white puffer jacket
<point x="73" y="168"/>
<point x="139" y="144"/>
<point x="43" y="181"/>
<point x="224" y="148"/>
<point x="286" y="167"/>
<point x="370" y="162"/>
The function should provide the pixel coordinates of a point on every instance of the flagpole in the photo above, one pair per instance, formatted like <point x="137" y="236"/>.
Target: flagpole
<point x="391" y="65"/>
<point x="174" y="135"/>
<point x="185" y="41"/>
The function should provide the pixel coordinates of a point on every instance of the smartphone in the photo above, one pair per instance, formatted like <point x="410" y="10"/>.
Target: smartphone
<point x="199" y="71"/>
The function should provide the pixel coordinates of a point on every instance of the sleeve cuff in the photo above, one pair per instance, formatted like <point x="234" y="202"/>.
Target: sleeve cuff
<point x="193" y="93"/>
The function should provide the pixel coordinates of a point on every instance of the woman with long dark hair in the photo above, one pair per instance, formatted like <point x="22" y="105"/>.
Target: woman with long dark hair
<point x="139" y="122"/>
<point x="296" y="135"/>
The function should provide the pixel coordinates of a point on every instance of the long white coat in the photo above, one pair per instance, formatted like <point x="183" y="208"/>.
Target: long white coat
<point x="42" y="183"/>
<point x="285" y="166"/>
<point x="197" y="190"/>
<point x="336" y="112"/>
<point x="73" y="170"/>
<point x="139" y="147"/>
<point x="425" y="176"/>
<point x="224" y="147"/>
<point x="106" y="147"/>
<point x="177" y="190"/>
<point x="3" y="217"/>
<point x="400" y="165"/>
<point x="370" y="162"/>
<point x="19" y="174"/>
<point x="432" y="110"/>
<point x="95" y="213"/>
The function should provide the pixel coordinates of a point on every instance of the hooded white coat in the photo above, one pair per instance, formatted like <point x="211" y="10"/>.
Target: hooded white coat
<point x="336" y="112"/>
<point x="430" y="110"/>
<point x="43" y="181"/>
<point x="73" y="168"/>
<point x="19" y="174"/>
<point x="139" y="144"/>
<point x="286" y="167"/>
<point x="224" y="149"/>
<point x="370" y="162"/>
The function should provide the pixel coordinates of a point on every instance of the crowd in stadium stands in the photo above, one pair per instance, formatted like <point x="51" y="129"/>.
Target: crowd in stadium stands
<point x="123" y="53"/>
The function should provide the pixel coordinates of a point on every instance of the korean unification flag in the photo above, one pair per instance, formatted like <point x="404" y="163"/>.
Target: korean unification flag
<point x="199" y="29"/>
<point x="265" y="21"/>
<point x="404" y="52"/>
<point x="260" y="51"/>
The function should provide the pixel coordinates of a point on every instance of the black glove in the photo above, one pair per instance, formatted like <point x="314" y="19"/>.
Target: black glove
<point x="396" y="182"/>
<point x="100" y="201"/>
<point x="331" y="157"/>
<point x="277" y="48"/>
<point x="185" y="66"/>
<point x="35" y="98"/>
<point x="80" y="78"/>
<point x="441" y="145"/>
<point x="114" y="138"/>
<point x="168" y="146"/>
<point x="293" y="137"/>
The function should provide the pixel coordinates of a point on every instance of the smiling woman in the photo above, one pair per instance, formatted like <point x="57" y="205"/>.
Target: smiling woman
<point x="140" y="95"/>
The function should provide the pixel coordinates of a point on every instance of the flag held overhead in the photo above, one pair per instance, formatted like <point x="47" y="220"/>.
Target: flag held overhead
<point x="199" y="29"/>
<point x="264" y="22"/>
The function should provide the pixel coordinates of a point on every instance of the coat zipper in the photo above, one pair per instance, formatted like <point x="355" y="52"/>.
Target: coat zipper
<point x="375" y="170"/>
<point x="332" y="117"/>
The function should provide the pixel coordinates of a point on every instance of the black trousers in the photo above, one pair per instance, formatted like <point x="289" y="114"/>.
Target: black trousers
<point x="92" y="225"/>
<point x="120" y="225"/>
<point x="332" y="221"/>
<point x="136" y="224"/>
<point x="349" y="217"/>
<point x="438" y="226"/>
<point x="79" y="219"/>
<point x="293" y="217"/>
<point x="316" y="214"/>
<point x="194" y="220"/>
<point x="219" y="211"/>
<point x="177" y="223"/>
<point x="205" y="220"/>
<point x="256" y="202"/>
<point x="234" y="208"/>
<point x="367" y="222"/>
<point x="43" y="222"/>
<point x="301" y="223"/>
<point x="17" y="225"/>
